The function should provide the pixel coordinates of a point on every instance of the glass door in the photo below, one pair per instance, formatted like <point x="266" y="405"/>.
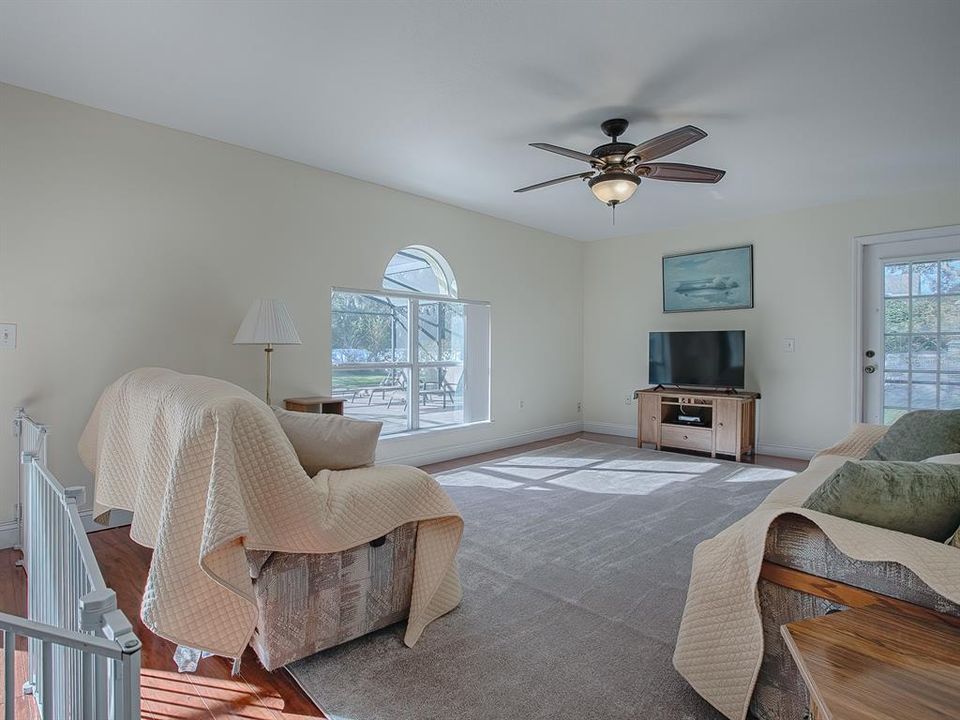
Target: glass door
<point x="911" y="356"/>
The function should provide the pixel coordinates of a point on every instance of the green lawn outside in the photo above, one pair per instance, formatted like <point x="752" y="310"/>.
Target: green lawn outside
<point x="349" y="379"/>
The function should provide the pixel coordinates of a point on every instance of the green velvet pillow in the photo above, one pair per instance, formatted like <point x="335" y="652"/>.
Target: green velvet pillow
<point x="918" y="435"/>
<point x="909" y="497"/>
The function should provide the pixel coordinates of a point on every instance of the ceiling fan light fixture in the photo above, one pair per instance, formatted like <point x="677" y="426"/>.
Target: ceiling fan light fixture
<point x="618" y="167"/>
<point x="614" y="187"/>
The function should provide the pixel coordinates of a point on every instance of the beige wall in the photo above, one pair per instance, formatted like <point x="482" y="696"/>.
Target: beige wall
<point x="124" y="244"/>
<point x="802" y="287"/>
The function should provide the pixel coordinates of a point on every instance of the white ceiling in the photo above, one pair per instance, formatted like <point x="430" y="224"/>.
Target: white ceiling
<point x="806" y="102"/>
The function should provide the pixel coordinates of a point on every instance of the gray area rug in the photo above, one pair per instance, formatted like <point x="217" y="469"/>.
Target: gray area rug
<point x="575" y="561"/>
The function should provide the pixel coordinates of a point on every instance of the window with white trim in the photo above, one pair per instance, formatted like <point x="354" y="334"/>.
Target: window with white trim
<point x="921" y="325"/>
<point x="412" y="355"/>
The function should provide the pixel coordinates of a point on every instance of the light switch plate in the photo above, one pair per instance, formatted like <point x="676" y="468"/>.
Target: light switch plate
<point x="8" y="336"/>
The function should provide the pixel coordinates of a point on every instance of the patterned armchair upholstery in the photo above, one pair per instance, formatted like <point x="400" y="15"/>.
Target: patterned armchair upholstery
<point x="308" y="603"/>
<point x="795" y="542"/>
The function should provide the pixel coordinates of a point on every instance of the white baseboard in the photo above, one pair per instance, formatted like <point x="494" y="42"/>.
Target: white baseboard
<point x="788" y="451"/>
<point x="9" y="536"/>
<point x="610" y="428"/>
<point x="459" y="450"/>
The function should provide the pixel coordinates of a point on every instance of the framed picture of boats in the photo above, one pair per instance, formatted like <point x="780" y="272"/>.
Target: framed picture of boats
<point x="708" y="280"/>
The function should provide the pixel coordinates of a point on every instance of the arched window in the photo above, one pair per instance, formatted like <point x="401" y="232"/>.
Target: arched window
<point x="419" y="269"/>
<point x="402" y="355"/>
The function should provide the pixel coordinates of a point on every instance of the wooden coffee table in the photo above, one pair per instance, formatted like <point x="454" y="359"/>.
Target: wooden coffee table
<point x="875" y="663"/>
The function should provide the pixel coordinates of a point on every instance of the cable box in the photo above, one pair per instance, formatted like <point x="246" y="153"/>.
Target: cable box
<point x="689" y="420"/>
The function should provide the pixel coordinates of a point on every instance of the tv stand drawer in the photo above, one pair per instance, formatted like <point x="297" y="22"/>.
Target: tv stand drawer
<point x="691" y="438"/>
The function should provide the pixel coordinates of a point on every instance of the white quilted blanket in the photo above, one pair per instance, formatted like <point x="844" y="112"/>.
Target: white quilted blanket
<point x="207" y="472"/>
<point x="720" y="644"/>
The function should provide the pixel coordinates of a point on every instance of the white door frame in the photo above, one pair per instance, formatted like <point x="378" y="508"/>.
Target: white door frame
<point x="859" y="244"/>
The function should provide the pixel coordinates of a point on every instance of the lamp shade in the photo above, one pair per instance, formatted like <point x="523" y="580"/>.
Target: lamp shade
<point x="268" y="322"/>
<point x="614" y="187"/>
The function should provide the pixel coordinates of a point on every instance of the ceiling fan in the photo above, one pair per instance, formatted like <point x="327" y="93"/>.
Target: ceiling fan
<point x="618" y="167"/>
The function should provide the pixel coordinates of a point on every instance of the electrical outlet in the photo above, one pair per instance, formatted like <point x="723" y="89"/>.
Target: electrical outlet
<point x="579" y="407"/>
<point x="789" y="344"/>
<point x="8" y="336"/>
<point x="521" y="404"/>
<point x="628" y="400"/>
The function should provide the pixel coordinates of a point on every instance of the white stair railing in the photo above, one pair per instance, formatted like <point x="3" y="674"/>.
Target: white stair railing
<point x="83" y="659"/>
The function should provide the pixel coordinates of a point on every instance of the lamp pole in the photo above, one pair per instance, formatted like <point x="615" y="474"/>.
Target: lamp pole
<point x="269" y="351"/>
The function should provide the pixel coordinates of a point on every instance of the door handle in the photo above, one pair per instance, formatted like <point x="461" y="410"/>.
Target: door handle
<point x="870" y="369"/>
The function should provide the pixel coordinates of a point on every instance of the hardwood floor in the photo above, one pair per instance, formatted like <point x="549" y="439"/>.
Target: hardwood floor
<point x="254" y="694"/>
<point x="13" y="600"/>
<point x="211" y="692"/>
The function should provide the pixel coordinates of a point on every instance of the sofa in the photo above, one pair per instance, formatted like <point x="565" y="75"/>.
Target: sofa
<point x="796" y="543"/>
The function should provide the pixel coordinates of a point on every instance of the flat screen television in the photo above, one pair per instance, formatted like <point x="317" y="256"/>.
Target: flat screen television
<point x="711" y="358"/>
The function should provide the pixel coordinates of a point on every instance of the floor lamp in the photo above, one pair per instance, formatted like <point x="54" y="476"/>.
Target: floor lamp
<point x="268" y="323"/>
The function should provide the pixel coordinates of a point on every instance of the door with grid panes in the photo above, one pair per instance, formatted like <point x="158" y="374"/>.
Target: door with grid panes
<point x="911" y="321"/>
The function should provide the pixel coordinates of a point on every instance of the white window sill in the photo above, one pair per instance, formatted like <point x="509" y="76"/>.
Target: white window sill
<point x="388" y="440"/>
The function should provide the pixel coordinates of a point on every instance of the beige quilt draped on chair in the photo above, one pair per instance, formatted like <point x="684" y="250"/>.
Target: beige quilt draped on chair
<point x="208" y="473"/>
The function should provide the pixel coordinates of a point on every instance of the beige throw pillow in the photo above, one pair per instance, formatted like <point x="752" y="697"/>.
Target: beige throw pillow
<point x="330" y="442"/>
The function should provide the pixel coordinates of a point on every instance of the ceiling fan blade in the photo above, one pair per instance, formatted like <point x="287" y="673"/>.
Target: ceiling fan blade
<point x="680" y="172"/>
<point x="665" y="144"/>
<point x="575" y="154"/>
<point x="556" y="181"/>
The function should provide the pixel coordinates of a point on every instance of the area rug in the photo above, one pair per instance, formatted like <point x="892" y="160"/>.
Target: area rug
<point x="575" y="561"/>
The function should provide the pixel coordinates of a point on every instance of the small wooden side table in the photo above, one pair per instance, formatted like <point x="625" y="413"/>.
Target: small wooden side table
<point x="315" y="404"/>
<point x="875" y="663"/>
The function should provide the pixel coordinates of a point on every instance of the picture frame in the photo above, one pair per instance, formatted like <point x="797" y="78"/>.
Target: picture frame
<point x="703" y="280"/>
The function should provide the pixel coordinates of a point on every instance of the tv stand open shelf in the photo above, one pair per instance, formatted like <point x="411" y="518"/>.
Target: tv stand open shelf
<point x="727" y="420"/>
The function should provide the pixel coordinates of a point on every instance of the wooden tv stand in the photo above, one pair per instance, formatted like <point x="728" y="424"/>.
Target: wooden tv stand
<point x="728" y="420"/>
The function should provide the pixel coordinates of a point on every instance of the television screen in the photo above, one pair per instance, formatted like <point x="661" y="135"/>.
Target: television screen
<point x="706" y="359"/>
